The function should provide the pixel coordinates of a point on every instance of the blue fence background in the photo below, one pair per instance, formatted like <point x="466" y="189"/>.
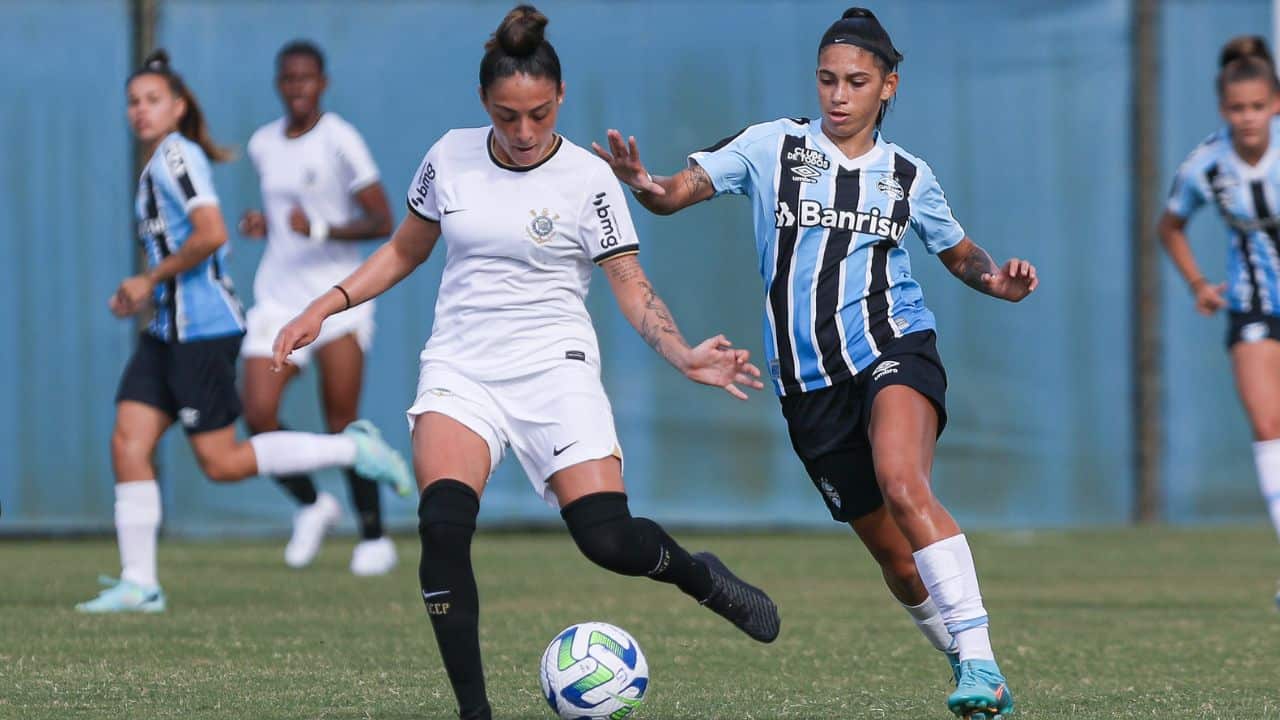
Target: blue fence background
<point x="1023" y="110"/>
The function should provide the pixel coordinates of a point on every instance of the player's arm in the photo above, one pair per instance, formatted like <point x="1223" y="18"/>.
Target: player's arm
<point x="373" y="222"/>
<point x="713" y="362"/>
<point x="408" y="248"/>
<point x="1013" y="281"/>
<point x="1172" y="229"/>
<point x="208" y="233"/>
<point x="660" y="195"/>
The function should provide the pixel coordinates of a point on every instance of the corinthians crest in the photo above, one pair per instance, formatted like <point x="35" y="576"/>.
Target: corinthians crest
<point x="542" y="226"/>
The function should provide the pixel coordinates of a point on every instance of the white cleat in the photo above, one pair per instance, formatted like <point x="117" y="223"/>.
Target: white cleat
<point x="310" y="523"/>
<point x="373" y="557"/>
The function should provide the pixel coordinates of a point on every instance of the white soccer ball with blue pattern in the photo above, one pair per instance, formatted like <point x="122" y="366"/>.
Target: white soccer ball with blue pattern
<point x="594" y="671"/>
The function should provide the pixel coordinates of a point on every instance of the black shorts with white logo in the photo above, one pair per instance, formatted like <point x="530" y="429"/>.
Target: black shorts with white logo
<point x="193" y="382"/>
<point x="1251" y="327"/>
<point x="828" y="427"/>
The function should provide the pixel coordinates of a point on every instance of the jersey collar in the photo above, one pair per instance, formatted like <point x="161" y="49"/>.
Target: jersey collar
<point x="488" y="146"/>
<point x="1259" y="171"/>
<point x="821" y="140"/>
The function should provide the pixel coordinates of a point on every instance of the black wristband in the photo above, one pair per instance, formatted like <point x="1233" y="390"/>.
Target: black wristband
<point x="346" y="296"/>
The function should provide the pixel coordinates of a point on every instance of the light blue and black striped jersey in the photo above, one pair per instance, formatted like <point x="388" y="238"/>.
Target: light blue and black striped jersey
<point x="1248" y="199"/>
<point x="829" y="237"/>
<point x="199" y="303"/>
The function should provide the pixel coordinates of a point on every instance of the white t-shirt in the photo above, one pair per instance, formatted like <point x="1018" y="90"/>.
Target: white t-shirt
<point x="320" y="172"/>
<point x="520" y="247"/>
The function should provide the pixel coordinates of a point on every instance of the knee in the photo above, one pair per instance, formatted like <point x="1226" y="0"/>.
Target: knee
<point x="906" y="491"/>
<point x="127" y="446"/>
<point x="221" y="470"/>
<point x="1266" y="428"/>
<point x="604" y="531"/>
<point x="447" y="514"/>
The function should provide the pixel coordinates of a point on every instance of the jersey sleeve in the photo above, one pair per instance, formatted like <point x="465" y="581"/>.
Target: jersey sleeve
<point x="931" y="216"/>
<point x="355" y="155"/>
<point x="727" y="163"/>
<point x="605" y="229"/>
<point x="189" y="175"/>
<point x="1188" y="193"/>
<point x="423" y="198"/>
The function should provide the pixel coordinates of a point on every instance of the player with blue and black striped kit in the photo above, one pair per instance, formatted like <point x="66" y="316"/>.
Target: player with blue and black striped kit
<point x="850" y="342"/>
<point x="1237" y="170"/>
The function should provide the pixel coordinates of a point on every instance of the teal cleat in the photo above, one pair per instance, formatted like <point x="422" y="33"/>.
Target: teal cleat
<point x="981" y="693"/>
<point x="378" y="461"/>
<point x="954" y="659"/>
<point x="122" y="596"/>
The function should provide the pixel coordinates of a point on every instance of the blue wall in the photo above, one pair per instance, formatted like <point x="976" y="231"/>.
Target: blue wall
<point x="1023" y="114"/>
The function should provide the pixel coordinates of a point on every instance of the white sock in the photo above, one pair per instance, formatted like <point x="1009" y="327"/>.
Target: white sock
<point x="137" y="521"/>
<point x="929" y="620"/>
<point x="1266" y="456"/>
<point x="946" y="567"/>
<point x="288" y="453"/>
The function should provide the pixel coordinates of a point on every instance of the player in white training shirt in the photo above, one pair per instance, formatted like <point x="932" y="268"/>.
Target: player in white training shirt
<point x="513" y="362"/>
<point x="321" y="195"/>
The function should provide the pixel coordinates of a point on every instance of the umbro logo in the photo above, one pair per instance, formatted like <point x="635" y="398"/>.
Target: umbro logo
<point x="1254" y="331"/>
<point x="189" y="417"/>
<point x="810" y="164"/>
<point x="888" y="367"/>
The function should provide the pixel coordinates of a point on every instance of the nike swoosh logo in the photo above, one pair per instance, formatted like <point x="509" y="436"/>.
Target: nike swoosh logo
<point x="556" y="451"/>
<point x="450" y="212"/>
<point x="428" y="595"/>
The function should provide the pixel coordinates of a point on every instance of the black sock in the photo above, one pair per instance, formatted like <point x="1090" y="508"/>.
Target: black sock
<point x="446" y="522"/>
<point x="364" y="495"/>
<point x="300" y="487"/>
<point x="602" y="526"/>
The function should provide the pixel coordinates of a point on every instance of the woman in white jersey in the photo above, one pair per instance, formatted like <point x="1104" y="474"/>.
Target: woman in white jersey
<point x="321" y="196"/>
<point x="849" y="339"/>
<point x="513" y="362"/>
<point x="183" y="368"/>
<point x="1237" y="170"/>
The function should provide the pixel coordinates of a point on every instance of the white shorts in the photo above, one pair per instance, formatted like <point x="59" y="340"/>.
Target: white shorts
<point x="552" y="420"/>
<point x="264" y="321"/>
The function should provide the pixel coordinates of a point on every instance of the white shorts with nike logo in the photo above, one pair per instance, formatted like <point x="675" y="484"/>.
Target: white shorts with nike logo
<point x="552" y="420"/>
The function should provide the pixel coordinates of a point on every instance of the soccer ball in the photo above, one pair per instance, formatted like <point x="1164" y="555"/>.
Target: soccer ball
<point x="594" y="671"/>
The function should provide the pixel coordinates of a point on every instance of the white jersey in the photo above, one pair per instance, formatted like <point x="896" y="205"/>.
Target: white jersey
<point x="320" y="171"/>
<point x="520" y="247"/>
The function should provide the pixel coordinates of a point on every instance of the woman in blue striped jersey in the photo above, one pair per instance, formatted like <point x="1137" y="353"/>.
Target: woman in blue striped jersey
<point x="183" y="368"/>
<point x="1237" y="170"/>
<point x="849" y="339"/>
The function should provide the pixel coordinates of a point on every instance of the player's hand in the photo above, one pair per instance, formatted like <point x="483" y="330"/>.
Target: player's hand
<point x="299" y="222"/>
<point x="1209" y="298"/>
<point x="132" y="296"/>
<point x="300" y="332"/>
<point x="253" y="224"/>
<point x="715" y="362"/>
<point x="1013" y="282"/>
<point x="624" y="160"/>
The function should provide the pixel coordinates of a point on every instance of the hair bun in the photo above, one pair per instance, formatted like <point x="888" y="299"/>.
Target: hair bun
<point x="157" y="60"/>
<point x="522" y="31"/>
<point x="857" y="12"/>
<point x="1245" y="46"/>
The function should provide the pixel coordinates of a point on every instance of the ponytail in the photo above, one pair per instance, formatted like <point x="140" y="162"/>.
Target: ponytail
<point x="1246" y="57"/>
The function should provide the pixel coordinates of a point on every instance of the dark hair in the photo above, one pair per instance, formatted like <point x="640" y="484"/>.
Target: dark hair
<point x="860" y="28"/>
<point x="304" y="48"/>
<point x="192" y="124"/>
<point x="1246" y="57"/>
<point x="519" y="45"/>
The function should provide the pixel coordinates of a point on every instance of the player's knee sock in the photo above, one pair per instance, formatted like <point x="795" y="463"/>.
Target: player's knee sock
<point x="1266" y="455"/>
<point x="137" y="522"/>
<point x="602" y="526"/>
<point x="446" y="522"/>
<point x="288" y="453"/>
<point x="299" y="486"/>
<point x="946" y="567"/>
<point x="929" y="620"/>
<point x="364" y="495"/>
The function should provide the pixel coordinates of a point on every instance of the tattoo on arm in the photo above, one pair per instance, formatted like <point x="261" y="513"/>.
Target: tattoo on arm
<point x="976" y="263"/>
<point x="653" y="320"/>
<point x="696" y="180"/>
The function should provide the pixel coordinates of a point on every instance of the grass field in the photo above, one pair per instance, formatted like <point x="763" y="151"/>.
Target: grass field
<point x="1109" y="624"/>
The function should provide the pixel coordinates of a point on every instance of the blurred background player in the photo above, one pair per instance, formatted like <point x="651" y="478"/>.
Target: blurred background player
<point x="851" y="345"/>
<point x="1237" y="170"/>
<point x="184" y="367"/>
<point x="513" y="359"/>
<point x="321" y="195"/>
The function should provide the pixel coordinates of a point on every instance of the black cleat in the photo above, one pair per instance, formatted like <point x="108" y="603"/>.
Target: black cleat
<point x="742" y="604"/>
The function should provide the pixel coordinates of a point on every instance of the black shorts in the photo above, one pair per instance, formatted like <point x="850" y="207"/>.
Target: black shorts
<point x="1251" y="327"/>
<point x="828" y="427"/>
<point x="192" y="382"/>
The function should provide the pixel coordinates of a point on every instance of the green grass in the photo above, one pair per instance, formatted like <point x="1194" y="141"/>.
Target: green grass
<point x="1108" y="624"/>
